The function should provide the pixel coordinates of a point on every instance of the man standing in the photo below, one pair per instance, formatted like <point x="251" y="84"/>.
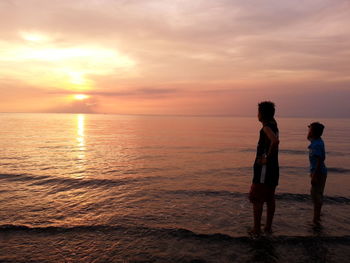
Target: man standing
<point x="266" y="168"/>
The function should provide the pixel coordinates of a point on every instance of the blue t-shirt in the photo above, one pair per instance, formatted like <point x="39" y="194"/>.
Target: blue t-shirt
<point x="316" y="149"/>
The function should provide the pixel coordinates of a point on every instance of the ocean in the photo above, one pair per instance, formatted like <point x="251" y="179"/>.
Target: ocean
<point x="112" y="188"/>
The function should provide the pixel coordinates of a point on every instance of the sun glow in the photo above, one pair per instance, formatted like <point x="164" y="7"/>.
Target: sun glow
<point x="81" y="96"/>
<point x="33" y="37"/>
<point x="74" y="66"/>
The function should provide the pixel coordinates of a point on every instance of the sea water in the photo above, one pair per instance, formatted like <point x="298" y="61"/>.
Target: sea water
<point x="110" y="188"/>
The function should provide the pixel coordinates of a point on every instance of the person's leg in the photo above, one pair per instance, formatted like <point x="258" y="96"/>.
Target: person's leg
<point x="270" y="211"/>
<point x="315" y="202"/>
<point x="257" y="211"/>
<point x="271" y="205"/>
<point x="317" y="198"/>
<point x="256" y="195"/>
<point x="317" y="212"/>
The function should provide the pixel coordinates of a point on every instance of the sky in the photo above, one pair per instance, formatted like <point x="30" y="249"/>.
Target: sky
<point x="178" y="57"/>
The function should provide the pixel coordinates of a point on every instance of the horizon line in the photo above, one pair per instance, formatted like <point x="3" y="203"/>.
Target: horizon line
<point x="179" y="115"/>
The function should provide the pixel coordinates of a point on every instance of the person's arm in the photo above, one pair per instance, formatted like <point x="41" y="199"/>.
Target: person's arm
<point x="316" y="173"/>
<point x="274" y="143"/>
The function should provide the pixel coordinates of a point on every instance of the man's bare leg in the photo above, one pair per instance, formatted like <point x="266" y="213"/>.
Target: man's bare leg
<point x="317" y="213"/>
<point x="257" y="210"/>
<point x="271" y="205"/>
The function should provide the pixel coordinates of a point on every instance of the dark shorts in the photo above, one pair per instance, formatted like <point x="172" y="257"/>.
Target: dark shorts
<point x="261" y="193"/>
<point x="318" y="189"/>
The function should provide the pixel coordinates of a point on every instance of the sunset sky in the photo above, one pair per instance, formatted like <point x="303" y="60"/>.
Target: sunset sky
<point x="198" y="57"/>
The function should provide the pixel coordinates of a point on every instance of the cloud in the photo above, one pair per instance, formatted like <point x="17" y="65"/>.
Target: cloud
<point x="144" y="92"/>
<point x="178" y="48"/>
<point x="220" y="39"/>
<point x="74" y="107"/>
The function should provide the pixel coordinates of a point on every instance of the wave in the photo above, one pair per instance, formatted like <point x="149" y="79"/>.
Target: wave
<point x="69" y="183"/>
<point x="56" y="229"/>
<point x="66" y="183"/>
<point x="223" y="150"/>
<point x="173" y="232"/>
<point x="22" y="177"/>
<point x="17" y="158"/>
<point x="247" y="171"/>
<point x="50" y="147"/>
<point x="135" y="171"/>
<point x="283" y="151"/>
<point x="306" y="197"/>
<point x="229" y="171"/>
<point x="304" y="170"/>
<point x="293" y="152"/>
<point x="206" y="193"/>
<point x="296" y="152"/>
<point x="338" y="170"/>
<point x="279" y="196"/>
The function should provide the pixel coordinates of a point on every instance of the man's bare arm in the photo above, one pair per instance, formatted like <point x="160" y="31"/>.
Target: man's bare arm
<point x="273" y="138"/>
<point x="273" y="146"/>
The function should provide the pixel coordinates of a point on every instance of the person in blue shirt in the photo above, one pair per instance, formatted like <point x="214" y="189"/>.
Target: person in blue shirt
<point x="318" y="169"/>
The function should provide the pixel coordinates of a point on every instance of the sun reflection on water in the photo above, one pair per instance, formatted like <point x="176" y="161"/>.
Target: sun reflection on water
<point x="80" y="145"/>
<point x="81" y="131"/>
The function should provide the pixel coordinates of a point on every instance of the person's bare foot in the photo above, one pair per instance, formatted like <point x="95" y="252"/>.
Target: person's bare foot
<point x="254" y="233"/>
<point x="316" y="222"/>
<point x="268" y="231"/>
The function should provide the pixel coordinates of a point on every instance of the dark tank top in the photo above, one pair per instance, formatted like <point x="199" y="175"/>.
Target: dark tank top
<point x="269" y="173"/>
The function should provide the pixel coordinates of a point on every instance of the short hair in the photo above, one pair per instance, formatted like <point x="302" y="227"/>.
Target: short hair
<point x="267" y="110"/>
<point x="317" y="129"/>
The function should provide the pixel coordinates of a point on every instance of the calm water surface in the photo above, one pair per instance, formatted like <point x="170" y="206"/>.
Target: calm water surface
<point x="106" y="188"/>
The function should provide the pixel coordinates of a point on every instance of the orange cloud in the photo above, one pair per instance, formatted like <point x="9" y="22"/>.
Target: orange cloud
<point x="182" y="49"/>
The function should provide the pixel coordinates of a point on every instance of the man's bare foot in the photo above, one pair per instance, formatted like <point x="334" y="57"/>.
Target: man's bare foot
<point x="254" y="233"/>
<point x="268" y="231"/>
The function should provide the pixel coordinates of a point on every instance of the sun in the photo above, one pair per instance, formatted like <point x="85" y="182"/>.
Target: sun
<point x="81" y="96"/>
